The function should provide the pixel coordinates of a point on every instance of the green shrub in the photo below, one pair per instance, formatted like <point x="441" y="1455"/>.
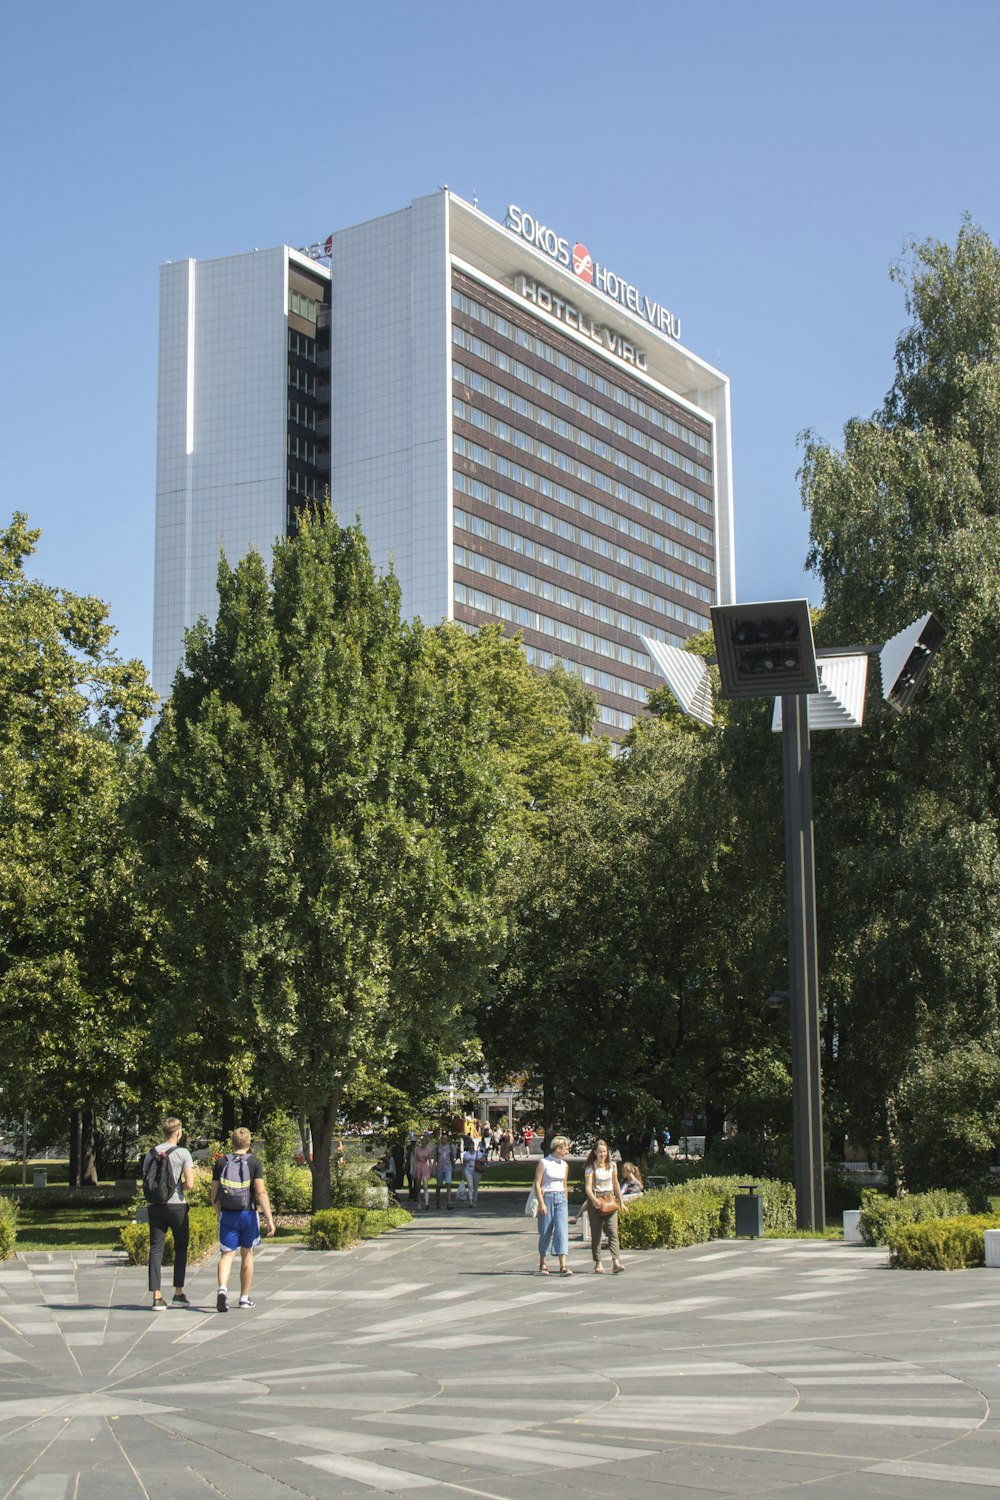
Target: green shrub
<point x="379" y="1221"/>
<point x="289" y="1189"/>
<point x="199" y="1196"/>
<point x="882" y="1217"/>
<point x="668" y="1218"/>
<point x="134" y="1239"/>
<point x="8" y="1228"/>
<point x="349" y="1183"/>
<point x="941" y="1244"/>
<point x="335" y="1228"/>
<point x="702" y="1209"/>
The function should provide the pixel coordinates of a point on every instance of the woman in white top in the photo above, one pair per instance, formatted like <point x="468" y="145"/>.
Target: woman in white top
<point x="604" y="1202"/>
<point x="470" y="1177"/>
<point x="553" y="1213"/>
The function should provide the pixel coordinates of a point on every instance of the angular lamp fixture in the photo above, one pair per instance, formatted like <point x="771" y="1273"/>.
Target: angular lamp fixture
<point x="688" y="678"/>
<point x="766" y="649"/>
<point x="840" y="702"/>
<point x="904" y="660"/>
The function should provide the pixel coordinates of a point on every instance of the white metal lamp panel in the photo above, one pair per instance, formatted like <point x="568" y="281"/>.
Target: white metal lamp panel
<point x="687" y="676"/>
<point x="840" y="702"/>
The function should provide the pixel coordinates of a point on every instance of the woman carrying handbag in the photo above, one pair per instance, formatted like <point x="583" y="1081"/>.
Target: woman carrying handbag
<point x="604" y="1202"/>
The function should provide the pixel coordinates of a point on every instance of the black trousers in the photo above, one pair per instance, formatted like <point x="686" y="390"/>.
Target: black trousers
<point x="164" y="1216"/>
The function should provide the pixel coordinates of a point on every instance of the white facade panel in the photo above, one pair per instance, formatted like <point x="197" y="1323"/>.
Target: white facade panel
<point x="221" y="433"/>
<point x="390" y="400"/>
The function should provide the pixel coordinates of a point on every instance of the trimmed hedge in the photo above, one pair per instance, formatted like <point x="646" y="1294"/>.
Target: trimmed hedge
<point x="941" y="1244"/>
<point x="882" y="1217"/>
<point x="702" y="1209"/>
<point x="8" y="1228"/>
<point x="667" y="1218"/>
<point x="134" y="1238"/>
<point x="335" y="1228"/>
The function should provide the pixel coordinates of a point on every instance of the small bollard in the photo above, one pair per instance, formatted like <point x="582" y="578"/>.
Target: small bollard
<point x="749" y="1213"/>
<point x="852" y="1233"/>
<point x="992" y="1239"/>
<point x="39" y="1177"/>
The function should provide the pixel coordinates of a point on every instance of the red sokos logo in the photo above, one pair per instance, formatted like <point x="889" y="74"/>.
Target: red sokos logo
<point x="583" y="266"/>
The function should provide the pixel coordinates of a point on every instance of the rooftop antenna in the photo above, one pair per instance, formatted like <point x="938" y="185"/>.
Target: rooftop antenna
<point x="475" y="198"/>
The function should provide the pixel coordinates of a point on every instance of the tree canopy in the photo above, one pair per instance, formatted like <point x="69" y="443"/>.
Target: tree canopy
<point x="71" y="715"/>
<point x="327" y="807"/>
<point x="904" y="518"/>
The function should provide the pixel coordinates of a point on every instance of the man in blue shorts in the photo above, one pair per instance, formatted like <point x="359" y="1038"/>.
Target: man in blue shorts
<point x="238" y="1192"/>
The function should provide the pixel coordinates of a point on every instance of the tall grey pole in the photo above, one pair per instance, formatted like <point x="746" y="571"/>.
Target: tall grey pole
<point x="803" y="967"/>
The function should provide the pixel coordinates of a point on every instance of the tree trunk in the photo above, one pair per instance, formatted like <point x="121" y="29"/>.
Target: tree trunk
<point x="548" y="1104"/>
<point x="74" y="1148"/>
<point x="228" y="1117"/>
<point x="893" y="1164"/>
<point x="102" y="1154"/>
<point x="304" y="1137"/>
<point x="715" y="1120"/>
<point x="88" y="1160"/>
<point x="321" y="1124"/>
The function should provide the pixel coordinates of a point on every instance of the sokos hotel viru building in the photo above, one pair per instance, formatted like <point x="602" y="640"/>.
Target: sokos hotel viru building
<point x="519" y="428"/>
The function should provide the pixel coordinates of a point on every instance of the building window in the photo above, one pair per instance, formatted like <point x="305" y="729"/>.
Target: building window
<point x="303" y="307"/>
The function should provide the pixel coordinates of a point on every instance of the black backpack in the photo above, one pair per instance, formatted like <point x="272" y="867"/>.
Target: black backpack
<point x="234" y="1183"/>
<point x="158" y="1182"/>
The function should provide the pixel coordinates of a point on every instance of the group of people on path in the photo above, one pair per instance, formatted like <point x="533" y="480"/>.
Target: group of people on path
<point x="605" y="1198"/>
<point x="443" y="1157"/>
<point x="238" y="1196"/>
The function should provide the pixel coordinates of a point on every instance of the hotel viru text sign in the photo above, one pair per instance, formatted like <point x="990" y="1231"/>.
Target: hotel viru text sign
<point x="577" y="258"/>
<point x="550" y="302"/>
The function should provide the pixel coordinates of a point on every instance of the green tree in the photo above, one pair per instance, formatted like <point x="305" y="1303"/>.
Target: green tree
<point x="71" y="716"/>
<point x="323" y="819"/>
<point x="634" y="978"/>
<point x="905" y="518"/>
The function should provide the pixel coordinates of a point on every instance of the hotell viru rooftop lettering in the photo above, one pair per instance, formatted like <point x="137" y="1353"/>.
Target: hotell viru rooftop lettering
<point x="579" y="260"/>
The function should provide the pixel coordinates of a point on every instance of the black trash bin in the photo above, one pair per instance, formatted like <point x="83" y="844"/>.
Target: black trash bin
<point x="749" y="1213"/>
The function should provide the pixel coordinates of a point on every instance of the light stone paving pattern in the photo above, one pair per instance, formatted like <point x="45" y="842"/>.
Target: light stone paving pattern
<point x="435" y="1361"/>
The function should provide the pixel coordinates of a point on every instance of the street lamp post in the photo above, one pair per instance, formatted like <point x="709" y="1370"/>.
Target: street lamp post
<point x="767" y="650"/>
<point x="803" y="966"/>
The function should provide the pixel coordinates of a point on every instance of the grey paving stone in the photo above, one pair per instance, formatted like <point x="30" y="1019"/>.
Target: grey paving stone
<point x="409" y="1366"/>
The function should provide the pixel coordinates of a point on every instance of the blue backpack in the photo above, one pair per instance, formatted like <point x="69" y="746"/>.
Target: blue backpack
<point x="235" y="1184"/>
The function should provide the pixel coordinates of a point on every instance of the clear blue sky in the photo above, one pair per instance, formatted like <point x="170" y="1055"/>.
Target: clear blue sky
<point x="757" y="167"/>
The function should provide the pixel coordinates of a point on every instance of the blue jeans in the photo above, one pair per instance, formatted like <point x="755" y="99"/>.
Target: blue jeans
<point x="553" y="1226"/>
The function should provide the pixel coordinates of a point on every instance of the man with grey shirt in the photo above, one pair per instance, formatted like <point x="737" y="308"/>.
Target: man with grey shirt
<point x="171" y="1214"/>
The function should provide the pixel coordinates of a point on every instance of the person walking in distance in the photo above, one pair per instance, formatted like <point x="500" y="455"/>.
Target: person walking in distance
<point x="470" y="1177"/>
<point x="551" y="1176"/>
<point x="445" y="1161"/>
<point x="424" y="1153"/>
<point x="168" y="1169"/>
<point x="604" y="1200"/>
<point x="238" y="1192"/>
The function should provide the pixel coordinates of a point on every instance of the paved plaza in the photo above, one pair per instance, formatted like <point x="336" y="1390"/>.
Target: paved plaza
<point x="433" y="1360"/>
